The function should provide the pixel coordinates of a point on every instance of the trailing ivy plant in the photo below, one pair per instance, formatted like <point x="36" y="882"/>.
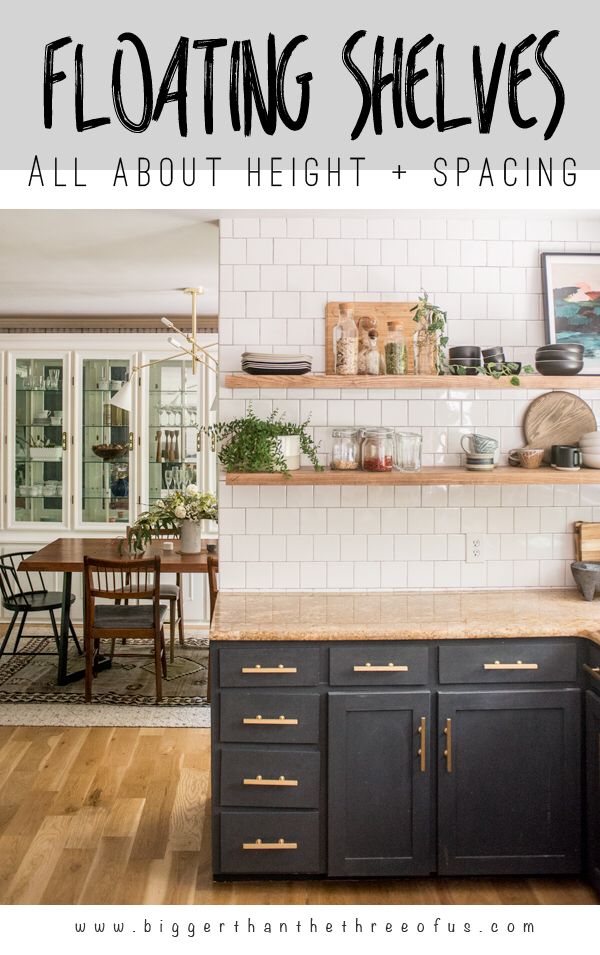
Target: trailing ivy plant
<point x="432" y="320"/>
<point x="251" y="444"/>
<point x="497" y="370"/>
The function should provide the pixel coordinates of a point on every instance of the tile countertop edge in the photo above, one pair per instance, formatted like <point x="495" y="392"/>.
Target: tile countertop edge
<point x="453" y="615"/>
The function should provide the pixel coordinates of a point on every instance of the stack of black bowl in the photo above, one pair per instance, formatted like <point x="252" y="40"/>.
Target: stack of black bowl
<point x="494" y="361"/>
<point x="559" y="359"/>
<point x="464" y="356"/>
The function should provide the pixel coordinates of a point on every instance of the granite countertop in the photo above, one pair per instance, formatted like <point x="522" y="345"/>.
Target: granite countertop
<point x="405" y="616"/>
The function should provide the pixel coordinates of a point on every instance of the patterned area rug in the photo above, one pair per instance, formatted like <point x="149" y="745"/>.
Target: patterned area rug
<point x="129" y="682"/>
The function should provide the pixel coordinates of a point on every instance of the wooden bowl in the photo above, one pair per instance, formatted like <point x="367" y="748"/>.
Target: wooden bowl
<point x="109" y="452"/>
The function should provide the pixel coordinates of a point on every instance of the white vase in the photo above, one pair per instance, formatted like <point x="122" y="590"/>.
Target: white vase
<point x="289" y="445"/>
<point x="191" y="537"/>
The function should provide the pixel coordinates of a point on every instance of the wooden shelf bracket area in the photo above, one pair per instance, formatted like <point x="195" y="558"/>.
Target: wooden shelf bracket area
<point x="484" y="382"/>
<point x="426" y="476"/>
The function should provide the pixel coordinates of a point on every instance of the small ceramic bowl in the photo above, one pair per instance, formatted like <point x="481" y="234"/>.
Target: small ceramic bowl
<point x="465" y="351"/>
<point x="526" y="457"/>
<point x="562" y="347"/>
<point x="561" y="366"/>
<point x="591" y="460"/>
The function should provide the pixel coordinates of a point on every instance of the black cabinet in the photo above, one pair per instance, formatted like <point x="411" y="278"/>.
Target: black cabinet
<point x="509" y="782"/>
<point x="593" y="787"/>
<point x="379" y="783"/>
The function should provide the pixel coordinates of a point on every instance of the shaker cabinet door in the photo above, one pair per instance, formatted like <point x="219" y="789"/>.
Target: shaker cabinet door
<point x="379" y="783"/>
<point x="509" y="782"/>
<point x="593" y="787"/>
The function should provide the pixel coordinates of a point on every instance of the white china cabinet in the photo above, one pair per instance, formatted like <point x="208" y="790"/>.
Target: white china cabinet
<point x="73" y="464"/>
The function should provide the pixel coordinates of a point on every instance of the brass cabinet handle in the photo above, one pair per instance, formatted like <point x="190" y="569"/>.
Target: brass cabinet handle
<point x="519" y="665"/>
<point x="131" y="440"/>
<point x="65" y="440"/>
<point x="390" y="668"/>
<point x="261" y="721"/>
<point x="448" y="750"/>
<point x="422" y="750"/>
<point x="199" y="441"/>
<point x="278" y="669"/>
<point x="280" y="844"/>
<point x="259" y="781"/>
<point x="593" y="671"/>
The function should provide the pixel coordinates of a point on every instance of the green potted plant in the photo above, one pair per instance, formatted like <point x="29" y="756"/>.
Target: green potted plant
<point x="431" y="338"/>
<point x="253" y="445"/>
<point x="180" y="510"/>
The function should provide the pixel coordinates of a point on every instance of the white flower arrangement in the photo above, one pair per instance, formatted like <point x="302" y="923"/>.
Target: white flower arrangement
<point x="190" y="504"/>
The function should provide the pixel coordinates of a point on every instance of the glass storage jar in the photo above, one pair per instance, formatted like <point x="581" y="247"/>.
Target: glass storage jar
<point x="396" y="356"/>
<point x="345" y="343"/>
<point x="408" y="451"/>
<point x="345" y="453"/>
<point x="367" y="326"/>
<point x="378" y="450"/>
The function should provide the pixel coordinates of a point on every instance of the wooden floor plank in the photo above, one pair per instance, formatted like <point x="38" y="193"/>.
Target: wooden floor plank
<point x="122" y="815"/>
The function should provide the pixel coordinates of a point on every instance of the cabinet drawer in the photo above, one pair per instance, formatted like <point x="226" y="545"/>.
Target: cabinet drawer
<point x="275" y="717"/>
<point x="262" y="777"/>
<point x="509" y="661"/>
<point x="273" y="665"/>
<point x="368" y="664"/>
<point x="289" y="842"/>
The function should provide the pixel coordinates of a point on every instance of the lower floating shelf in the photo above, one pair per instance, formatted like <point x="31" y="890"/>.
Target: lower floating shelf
<point x="428" y="475"/>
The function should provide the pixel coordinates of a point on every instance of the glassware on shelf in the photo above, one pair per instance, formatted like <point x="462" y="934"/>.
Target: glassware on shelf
<point x="426" y="353"/>
<point x="168" y="478"/>
<point x="408" y="451"/>
<point x="367" y="331"/>
<point x="378" y="450"/>
<point x="345" y="453"/>
<point x="105" y="479"/>
<point x="395" y="350"/>
<point x="345" y="343"/>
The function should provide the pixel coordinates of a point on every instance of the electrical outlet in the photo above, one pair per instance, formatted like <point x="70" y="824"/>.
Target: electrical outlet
<point x="476" y="547"/>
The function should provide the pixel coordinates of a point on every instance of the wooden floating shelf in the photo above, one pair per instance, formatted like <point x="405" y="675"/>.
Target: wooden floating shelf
<point x="426" y="476"/>
<point x="539" y="382"/>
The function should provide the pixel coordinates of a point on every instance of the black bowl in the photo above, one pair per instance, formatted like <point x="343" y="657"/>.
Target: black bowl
<point x="554" y="354"/>
<point x="454" y="369"/>
<point x="465" y="351"/>
<point x="560" y="367"/>
<point x="493" y="352"/>
<point x="566" y="347"/>
<point x="512" y="367"/>
<point x="467" y="362"/>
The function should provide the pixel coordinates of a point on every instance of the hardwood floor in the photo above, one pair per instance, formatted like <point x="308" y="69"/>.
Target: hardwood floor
<point x="105" y="815"/>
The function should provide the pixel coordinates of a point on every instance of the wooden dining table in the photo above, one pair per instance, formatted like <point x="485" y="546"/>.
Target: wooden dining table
<point x="65" y="555"/>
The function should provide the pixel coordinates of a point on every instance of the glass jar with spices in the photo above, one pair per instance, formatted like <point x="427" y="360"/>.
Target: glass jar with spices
<point x="378" y="450"/>
<point x="345" y="343"/>
<point x="396" y="356"/>
<point x="345" y="453"/>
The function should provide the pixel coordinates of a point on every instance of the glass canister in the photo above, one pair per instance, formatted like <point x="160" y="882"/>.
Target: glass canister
<point x="408" y="451"/>
<point x="378" y="450"/>
<point x="426" y="353"/>
<point x="345" y="343"/>
<point x="396" y="356"/>
<point x="345" y="453"/>
<point x="367" y="325"/>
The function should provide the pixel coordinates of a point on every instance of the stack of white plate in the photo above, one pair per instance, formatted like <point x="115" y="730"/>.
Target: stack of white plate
<point x="590" y="446"/>
<point x="255" y="363"/>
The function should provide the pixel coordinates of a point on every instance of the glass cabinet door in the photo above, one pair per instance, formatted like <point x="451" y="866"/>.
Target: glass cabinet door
<point x="40" y="440"/>
<point x="105" y="444"/>
<point x="172" y="427"/>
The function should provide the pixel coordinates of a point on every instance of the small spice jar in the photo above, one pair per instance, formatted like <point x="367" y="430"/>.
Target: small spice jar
<point x="345" y="343"/>
<point x="395" y="350"/>
<point x="345" y="454"/>
<point x="378" y="450"/>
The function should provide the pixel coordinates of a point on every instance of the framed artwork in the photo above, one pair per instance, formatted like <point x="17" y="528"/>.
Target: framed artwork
<point x="571" y="282"/>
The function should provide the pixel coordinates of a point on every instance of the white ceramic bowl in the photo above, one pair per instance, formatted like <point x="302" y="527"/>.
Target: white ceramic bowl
<point x="591" y="460"/>
<point x="592" y="447"/>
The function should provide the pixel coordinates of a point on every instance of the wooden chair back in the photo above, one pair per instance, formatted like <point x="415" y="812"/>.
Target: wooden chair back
<point x="16" y="584"/>
<point x="213" y="587"/>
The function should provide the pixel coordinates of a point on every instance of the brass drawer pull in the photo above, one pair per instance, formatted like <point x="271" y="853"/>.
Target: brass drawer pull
<point x="280" y="844"/>
<point x="260" y="721"/>
<point x="422" y="750"/>
<point x="448" y="750"/>
<point x="593" y="671"/>
<point x="390" y="668"/>
<point x="277" y="669"/>
<point x="519" y="665"/>
<point x="259" y="781"/>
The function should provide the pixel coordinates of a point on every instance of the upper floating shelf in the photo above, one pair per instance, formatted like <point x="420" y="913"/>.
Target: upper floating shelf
<point x="426" y="476"/>
<point x="539" y="382"/>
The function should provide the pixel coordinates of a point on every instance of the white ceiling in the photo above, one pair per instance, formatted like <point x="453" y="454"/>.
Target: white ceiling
<point x="118" y="262"/>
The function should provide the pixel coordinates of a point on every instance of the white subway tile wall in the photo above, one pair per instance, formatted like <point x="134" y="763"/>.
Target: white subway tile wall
<point x="276" y="276"/>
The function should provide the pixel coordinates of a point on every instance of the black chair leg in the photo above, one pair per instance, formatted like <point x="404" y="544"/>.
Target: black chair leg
<point x="75" y="640"/>
<point x="9" y="631"/>
<point x="20" y="631"/>
<point x="55" y="630"/>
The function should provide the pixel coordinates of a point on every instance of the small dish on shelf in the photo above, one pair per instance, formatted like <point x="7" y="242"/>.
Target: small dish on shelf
<point x="109" y="452"/>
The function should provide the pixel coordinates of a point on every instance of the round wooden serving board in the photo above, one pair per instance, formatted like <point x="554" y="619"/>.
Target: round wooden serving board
<point x="557" y="418"/>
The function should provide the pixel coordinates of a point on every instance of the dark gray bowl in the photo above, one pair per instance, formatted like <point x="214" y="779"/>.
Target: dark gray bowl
<point x="512" y="367"/>
<point x="467" y="362"/>
<point x="560" y="367"/>
<point x="566" y="347"/>
<point x="465" y="351"/>
<point x="493" y="352"/>
<point x="454" y="369"/>
<point x="587" y="577"/>
<point x="556" y="354"/>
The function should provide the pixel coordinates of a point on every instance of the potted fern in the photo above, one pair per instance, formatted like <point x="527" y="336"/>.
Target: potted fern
<point x="253" y="445"/>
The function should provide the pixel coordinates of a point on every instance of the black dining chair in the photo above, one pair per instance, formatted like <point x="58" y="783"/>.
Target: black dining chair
<point x="22" y="593"/>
